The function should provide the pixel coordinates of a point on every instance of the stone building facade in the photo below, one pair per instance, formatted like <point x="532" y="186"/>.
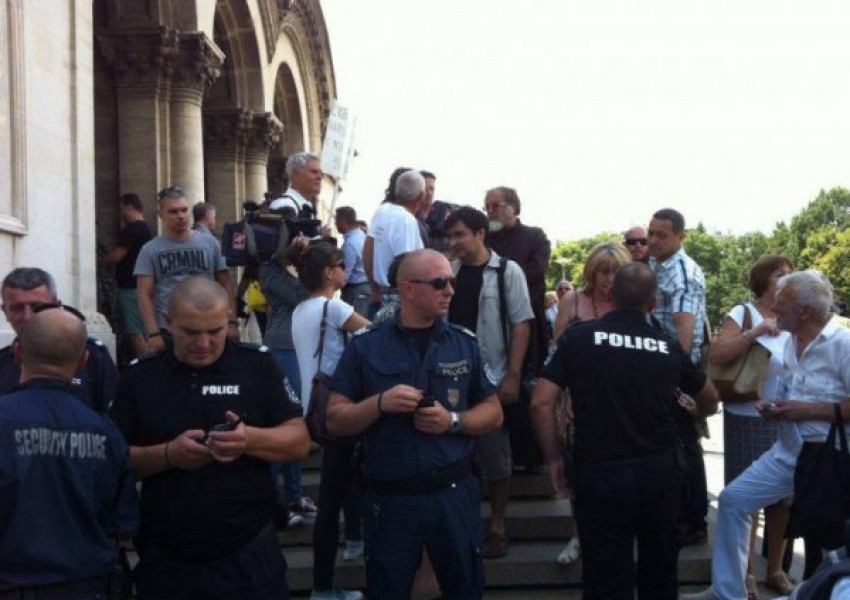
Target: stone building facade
<point x="104" y="97"/>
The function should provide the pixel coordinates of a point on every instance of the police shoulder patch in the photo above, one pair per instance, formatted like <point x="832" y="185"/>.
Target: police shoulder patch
<point x="462" y="329"/>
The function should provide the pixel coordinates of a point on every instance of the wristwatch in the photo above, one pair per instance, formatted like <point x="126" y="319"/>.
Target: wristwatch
<point x="454" y="425"/>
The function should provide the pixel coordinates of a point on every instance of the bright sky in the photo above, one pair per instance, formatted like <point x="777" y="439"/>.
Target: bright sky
<point x="600" y="112"/>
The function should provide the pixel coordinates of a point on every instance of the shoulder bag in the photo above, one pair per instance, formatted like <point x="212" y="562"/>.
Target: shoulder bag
<point x="320" y="391"/>
<point x="739" y="380"/>
<point x="822" y="489"/>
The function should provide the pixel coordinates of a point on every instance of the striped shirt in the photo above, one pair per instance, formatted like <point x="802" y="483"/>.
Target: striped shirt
<point x="681" y="289"/>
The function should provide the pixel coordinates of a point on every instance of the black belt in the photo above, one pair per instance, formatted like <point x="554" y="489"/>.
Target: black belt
<point x="426" y="483"/>
<point x="62" y="591"/>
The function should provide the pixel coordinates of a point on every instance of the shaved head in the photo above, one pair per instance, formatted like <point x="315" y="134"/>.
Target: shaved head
<point x="419" y="263"/>
<point x="52" y="343"/>
<point x="198" y="292"/>
<point x="634" y="287"/>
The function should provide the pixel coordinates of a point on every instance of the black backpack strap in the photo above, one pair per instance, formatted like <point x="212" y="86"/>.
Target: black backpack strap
<point x="500" y="277"/>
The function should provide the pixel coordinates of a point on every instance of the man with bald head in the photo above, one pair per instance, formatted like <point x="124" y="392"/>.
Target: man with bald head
<point x="635" y="240"/>
<point x="204" y="418"/>
<point x="65" y="478"/>
<point x="415" y="387"/>
<point x="622" y="373"/>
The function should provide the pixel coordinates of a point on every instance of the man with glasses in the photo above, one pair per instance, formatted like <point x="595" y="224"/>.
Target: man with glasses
<point x="168" y="259"/>
<point x="635" y="240"/>
<point x="204" y="419"/>
<point x="28" y="290"/>
<point x="501" y="319"/>
<point x="415" y="388"/>
<point x="530" y="249"/>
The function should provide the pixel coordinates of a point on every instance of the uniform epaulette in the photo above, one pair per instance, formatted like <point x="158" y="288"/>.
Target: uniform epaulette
<point x="367" y="329"/>
<point x="262" y="348"/>
<point x="463" y="329"/>
<point x="145" y="358"/>
<point x="95" y="342"/>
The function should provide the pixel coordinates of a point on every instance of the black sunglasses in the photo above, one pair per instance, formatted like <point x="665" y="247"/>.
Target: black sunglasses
<point x="635" y="241"/>
<point x="438" y="283"/>
<point x="42" y="306"/>
<point x="173" y="191"/>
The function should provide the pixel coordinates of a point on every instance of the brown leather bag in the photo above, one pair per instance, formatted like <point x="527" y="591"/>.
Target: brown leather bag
<point x="738" y="381"/>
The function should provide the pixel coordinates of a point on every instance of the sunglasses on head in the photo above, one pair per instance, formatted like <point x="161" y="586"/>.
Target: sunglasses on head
<point x="438" y="283"/>
<point x="173" y="191"/>
<point x="635" y="241"/>
<point x="42" y="306"/>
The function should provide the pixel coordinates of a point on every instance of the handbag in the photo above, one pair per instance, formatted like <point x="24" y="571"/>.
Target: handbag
<point x="320" y="391"/>
<point x="254" y="298"/>
<point x="739" y="380"/>
<point x="822" y="489"/>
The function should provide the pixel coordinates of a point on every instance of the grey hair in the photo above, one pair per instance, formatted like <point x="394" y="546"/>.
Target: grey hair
<point x="29" y="278"/>
<point x="811" y="290"/>
<point x="298" y="161"/>
<point x="409" y="186"/>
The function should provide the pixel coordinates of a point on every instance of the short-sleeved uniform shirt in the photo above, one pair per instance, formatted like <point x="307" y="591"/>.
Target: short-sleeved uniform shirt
<point x="94" y="384"/>
<point x="622" y="374"/>
<point x="65" y="487"/>
<point x="451" y="372"/>
<point x="169" y="262"/>
<point x="206" y="513"/>
<point x="132" y="237"/>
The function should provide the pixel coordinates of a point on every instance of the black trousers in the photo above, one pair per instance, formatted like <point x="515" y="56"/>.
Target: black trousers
<point x="617" y="502"/>
<point x="695" y="497"/>
<point x="337" y="490"/>
<point x="256" y="571"/>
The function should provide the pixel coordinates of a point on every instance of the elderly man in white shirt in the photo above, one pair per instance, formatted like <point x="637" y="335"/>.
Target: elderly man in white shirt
<point x="304" y="172"/>
<point x="816" y="376"/>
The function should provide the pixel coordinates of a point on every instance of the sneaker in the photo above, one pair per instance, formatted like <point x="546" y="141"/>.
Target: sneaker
<point x="284" y="519"/>
<point x="304" y="506"/>
<point x="707" y="594"/>
<point x="353" y="550"/>
<point x="337" y="594"/>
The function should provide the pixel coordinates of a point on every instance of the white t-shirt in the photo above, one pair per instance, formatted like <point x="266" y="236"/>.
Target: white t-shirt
<point x="395" y="231"/>
<point x="306" y="329"/>
<point x="773" y="378"/>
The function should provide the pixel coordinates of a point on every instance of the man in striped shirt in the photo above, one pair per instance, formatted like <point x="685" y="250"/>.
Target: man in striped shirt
<point x="680" y="310"/>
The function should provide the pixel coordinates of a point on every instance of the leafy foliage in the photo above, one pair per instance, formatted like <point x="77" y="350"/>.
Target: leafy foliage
<point x="818" y="237"/>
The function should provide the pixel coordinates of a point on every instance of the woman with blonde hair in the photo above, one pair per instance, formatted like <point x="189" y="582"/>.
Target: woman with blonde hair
<point x="591" y="301"/>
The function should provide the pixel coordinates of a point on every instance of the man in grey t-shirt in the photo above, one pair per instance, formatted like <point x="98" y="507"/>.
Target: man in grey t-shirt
<point x="168" y="259"/>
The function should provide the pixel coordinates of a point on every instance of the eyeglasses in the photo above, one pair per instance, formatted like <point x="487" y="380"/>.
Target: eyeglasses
<point x="42" y="306"/>
<point x="494" y="205"/>
<point x="635" y="241"/>
<point x="175" y="191"/>
<point x="438" y="283"/>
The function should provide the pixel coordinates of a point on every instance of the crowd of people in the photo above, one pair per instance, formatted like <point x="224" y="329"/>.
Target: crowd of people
<point x="450" y="373"/>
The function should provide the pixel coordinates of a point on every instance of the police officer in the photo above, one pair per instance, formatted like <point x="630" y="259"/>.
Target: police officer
<point x="204" y="418"/>
<point x="65" y="478"/>
<point x="26" y="290"/>
<point x="622" y="374"/>
<point x="416" y="386"/>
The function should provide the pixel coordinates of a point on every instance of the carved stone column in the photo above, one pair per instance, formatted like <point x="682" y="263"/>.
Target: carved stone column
<point x="265" y="133"/>
<point x="198" y="62"/>
<point x="141" y="61"/>
<point x="224" y="142"/>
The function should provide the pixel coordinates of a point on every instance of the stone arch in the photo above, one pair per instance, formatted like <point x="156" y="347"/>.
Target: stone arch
<point x="241" y="82"/>
<point x="288" y="108"/>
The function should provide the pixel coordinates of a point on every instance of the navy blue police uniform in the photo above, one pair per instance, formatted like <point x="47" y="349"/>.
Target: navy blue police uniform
<point x="206" y="533"/>
<point x="419" y="490"/>
<point x="94" y="384"/>
<point x="623" y="374"/>
<point x="66" y="487"/>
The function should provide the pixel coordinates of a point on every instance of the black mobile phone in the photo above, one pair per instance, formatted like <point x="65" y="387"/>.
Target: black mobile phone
<point x="426" y="402"/>
<point x="226" y="426"/>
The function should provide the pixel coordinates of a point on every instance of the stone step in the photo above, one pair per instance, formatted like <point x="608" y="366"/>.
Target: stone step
<point x="526" y="519"/>
<point x="528" y="565"/>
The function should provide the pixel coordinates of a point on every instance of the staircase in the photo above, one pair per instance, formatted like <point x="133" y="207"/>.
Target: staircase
<point x="538" y="526"/>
